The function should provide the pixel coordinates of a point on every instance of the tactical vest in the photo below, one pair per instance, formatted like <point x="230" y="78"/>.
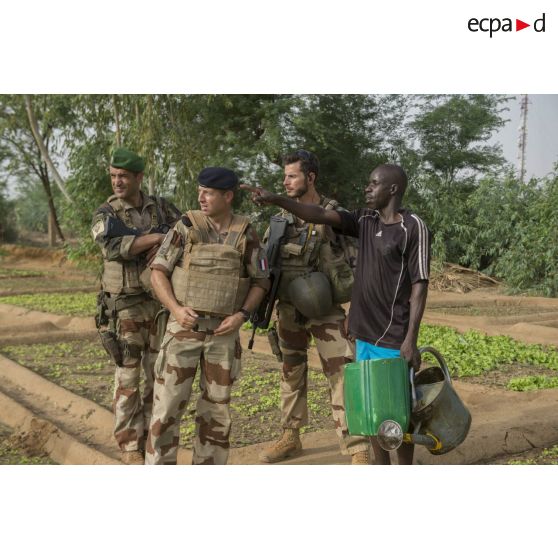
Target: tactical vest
<point x="307" y="249"/>
<point x="130" y="276"/>
<point x="301" y="251"/>
<point x="210" y="276"/>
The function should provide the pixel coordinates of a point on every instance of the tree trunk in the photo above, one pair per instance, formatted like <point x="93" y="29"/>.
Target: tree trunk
<point x="42" y="147"/>
<point x="53" y="218"/>
<point x="151" y="184"/>
<point x="117" y="121"/>
<point x="51" y="231"/>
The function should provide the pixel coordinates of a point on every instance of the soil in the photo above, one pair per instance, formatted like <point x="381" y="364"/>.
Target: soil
<point x="82" y="367"/>
<point x="25" y="269"/>
<point x="14" y="450"/>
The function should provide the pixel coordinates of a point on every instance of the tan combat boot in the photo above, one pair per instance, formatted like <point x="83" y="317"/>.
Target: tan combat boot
<point x="132" y="457"/>
<point x="287" y="446"/>
<point x="360" y="458"/>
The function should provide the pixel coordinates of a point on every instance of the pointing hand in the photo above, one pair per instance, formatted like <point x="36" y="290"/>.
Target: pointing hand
<point x="259" y="195"/>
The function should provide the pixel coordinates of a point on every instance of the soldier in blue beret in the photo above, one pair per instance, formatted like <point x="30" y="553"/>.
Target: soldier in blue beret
<point x="211" y="273"/>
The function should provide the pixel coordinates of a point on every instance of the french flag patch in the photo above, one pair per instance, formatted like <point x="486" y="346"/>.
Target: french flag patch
<point x="263" y="264"/>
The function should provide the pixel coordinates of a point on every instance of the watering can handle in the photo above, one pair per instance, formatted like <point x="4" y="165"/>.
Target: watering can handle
<point x="440" y="360"/>
<point x="413" y="390"/>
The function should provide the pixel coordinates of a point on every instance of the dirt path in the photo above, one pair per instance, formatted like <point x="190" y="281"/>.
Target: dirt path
<point x="527" y="319"/>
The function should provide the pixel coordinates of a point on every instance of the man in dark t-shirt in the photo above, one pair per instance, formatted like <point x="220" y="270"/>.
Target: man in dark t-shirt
<point x="391" y="278"/>
<point x="393" y="256"/>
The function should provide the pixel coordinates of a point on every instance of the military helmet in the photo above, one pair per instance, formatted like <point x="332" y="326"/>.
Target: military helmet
<point x="311" y="294"/>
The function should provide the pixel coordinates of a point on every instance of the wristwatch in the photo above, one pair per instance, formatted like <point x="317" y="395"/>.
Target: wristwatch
<point x="245" y="314"/>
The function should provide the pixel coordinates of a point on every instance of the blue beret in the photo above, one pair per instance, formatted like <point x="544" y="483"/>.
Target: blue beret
<point x="218" y="177"/>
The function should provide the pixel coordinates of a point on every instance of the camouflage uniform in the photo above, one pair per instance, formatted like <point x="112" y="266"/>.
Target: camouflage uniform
<point x="295" y="332"/>
<point x="135" y="312"/>
<point x="182" y="351"/>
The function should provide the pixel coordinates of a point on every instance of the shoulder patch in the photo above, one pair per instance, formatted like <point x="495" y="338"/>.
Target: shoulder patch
<point x="98" y="229"/>
<point x="186" y="221"/>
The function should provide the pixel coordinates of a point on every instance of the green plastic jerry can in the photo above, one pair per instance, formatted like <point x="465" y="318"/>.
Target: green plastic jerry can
<point x="375" y="391"/>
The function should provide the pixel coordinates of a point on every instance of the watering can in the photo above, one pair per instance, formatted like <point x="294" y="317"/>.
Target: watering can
<point x="383" y="397"/>
<point x="438" y="412"/>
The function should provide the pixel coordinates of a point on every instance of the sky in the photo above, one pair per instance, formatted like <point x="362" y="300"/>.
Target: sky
<point x="542" y="134"/>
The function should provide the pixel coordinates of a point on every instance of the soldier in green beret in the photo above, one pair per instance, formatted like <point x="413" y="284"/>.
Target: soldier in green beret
<point x="129" y="228"/>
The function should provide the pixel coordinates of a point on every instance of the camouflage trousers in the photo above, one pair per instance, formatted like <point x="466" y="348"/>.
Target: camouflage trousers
<point x="333" y="348"/>
<point x="136" y="330"/>
<point x="175" y="370"/>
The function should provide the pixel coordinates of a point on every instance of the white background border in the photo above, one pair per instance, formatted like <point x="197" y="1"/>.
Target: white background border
<point x="249" y="46"/>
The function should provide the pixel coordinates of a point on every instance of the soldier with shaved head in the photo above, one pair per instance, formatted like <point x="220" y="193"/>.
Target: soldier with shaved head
<point x="210" y="273"/>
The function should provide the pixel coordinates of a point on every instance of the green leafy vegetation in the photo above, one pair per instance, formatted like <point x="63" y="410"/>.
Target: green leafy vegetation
<point x="548" y="456"/>
<point x="531" y="383"/>
<point x="473" y="353"/>
<point x="71" y="304"/>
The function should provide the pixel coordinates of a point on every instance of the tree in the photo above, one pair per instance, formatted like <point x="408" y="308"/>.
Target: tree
<point x="449" y="152"/>
<point x="530" y="261"/>
<point x="8" y="231"/>
<point x="451" y="131"/>
<point x="19" y="148"/>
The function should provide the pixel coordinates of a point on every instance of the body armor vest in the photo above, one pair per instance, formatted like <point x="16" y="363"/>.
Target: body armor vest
<point x="130" y="276"/>
<point x="301" y="252"/>
<point x="210" y="278"/>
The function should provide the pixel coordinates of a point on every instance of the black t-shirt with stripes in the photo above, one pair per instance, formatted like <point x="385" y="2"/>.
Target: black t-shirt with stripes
<point x="390" y="259"/>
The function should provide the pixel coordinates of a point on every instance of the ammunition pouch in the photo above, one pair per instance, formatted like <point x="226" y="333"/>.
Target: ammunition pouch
<point x="339" y="273"/>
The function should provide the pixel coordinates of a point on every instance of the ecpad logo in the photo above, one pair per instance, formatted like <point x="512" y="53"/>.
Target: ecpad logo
<point x="494" y="24"/>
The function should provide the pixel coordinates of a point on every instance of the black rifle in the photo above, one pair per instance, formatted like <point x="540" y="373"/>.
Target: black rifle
<point x="262" y="315"/>
<point x="114" y="227"/>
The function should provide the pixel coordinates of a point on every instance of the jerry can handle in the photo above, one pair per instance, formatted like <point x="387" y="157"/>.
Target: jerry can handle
<point x="440" y="360"/>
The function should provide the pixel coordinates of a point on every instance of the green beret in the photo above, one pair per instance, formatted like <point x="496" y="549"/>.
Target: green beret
<point x="122" y="158"/>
